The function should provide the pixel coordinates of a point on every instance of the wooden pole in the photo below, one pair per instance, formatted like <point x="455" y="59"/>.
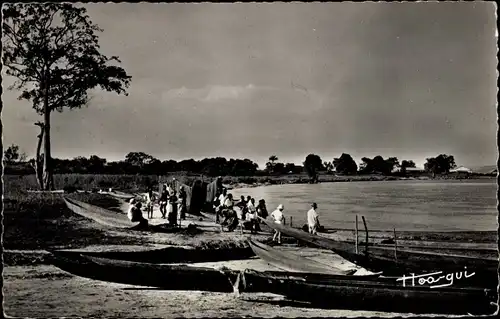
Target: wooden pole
<point x="357" y="251"/>
<point x="291" y="219"/>
<point x="395" y="246"/>
<point x="366" y="230"/>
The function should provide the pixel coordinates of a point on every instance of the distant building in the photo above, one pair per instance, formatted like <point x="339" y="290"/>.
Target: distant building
<point x="486" y="170"/>
<point x="411" y="171"/>
<point x="461" y="169"/>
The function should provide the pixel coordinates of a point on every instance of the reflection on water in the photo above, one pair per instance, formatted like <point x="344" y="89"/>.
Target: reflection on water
<point x="404" y="205"/>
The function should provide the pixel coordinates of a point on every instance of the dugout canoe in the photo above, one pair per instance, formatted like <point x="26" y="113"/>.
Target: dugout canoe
<point x="120" y="195"/>
<point x="162" y="275"/>
<point x="116" y="220"/>
<point x="401" y="262"/>
<point x="163" y="255"/>
<point x="100" y="215"/>
<point x="291" y="262"/>
<point x="374" y="296"/>
<point x="168" y="277"/>
<point x="336" y="291"/>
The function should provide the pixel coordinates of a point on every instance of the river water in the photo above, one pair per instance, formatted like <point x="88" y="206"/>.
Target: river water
<point x="434" y="205"/>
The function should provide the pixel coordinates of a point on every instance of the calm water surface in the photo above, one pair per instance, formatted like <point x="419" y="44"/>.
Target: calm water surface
<point x="404" y="205"/>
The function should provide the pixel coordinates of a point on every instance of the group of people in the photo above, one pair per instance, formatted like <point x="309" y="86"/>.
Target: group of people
<point x="173" y="205"/>
<point x="249" y="215"/>
<point x="312" y="220"/>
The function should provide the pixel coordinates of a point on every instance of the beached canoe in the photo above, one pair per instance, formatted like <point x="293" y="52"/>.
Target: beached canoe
<point x="323" y="290"/>
<point x="160" y="275"/>
<point x="373" y="296"/>
<point x="168" y="277"/>
<point x="117" y="220"/>
<point x="291" y="262"/>
<point x="142" y="268"/>
<point x="100" y="215"/>
<point x="120" y="195"/>
<point x="401" y="261"/>
<point x="164" y="255"/>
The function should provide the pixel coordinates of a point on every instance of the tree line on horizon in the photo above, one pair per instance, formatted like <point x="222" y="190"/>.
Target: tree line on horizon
<point x="142" y="163"/>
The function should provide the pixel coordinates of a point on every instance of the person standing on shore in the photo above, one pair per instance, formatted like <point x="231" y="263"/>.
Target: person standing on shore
<point x="164" y="201"/>
<point x="242" y="204"/>
<point x="262" y="209"/>
<point x="150" y="198"/>
<point x="182" y="203"/>
<point x="222" y="200"/>
<point x="313" y="220"/>
<point x="252" y="216"/>
<point x="172" y="209"/>
<point x="170" y="187"/>
<point x="279" y="218"/>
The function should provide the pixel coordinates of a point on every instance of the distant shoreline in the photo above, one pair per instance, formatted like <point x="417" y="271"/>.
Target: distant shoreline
<point x="276" y="180"/>
<point x="137" y="183"/>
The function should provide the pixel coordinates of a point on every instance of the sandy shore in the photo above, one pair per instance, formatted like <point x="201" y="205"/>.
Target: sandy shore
<point x="46" y="291"/>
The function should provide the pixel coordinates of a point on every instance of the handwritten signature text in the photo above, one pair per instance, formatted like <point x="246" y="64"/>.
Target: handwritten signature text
<point x="433" y="280"/>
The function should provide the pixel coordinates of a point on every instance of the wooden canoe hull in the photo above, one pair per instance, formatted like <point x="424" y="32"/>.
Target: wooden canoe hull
<point x="167" y="255"/>
<point x="407" y="262"/>
<point x="375" y="296"/>
<point x="168" y="277"/>
<point x="326" y="291"/>
<point x="98" y="214"/>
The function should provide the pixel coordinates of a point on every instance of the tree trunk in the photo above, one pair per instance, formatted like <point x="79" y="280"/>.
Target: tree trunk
<point x="38" y="160"/>
<point x="48" y="179"/>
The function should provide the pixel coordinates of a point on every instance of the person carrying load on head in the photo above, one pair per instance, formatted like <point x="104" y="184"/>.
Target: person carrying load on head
<point x="164" y="201"/>
<point x="312" y="219"/>
<point x="279" y="218"/>
<point x="135" y="214"/>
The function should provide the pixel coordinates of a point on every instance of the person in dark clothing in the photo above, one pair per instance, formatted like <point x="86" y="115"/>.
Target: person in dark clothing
<point x="262" y="210"/>
<point x="135" y="214"/>
<point x="230" y="219"/>
<point x="172" y="209"/>
<point x="164" y="201"/>
<point x="182" y="203"/>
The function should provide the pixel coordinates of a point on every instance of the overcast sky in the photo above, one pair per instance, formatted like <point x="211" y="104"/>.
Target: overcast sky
<point x="410" y="80"/>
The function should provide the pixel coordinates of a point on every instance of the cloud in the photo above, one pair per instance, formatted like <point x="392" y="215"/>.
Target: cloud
<point x="213" y="93"/>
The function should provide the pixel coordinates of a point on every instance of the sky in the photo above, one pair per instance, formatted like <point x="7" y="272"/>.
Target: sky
<point x="411" y="80"/>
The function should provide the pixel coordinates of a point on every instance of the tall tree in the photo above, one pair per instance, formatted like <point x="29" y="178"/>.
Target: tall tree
<point x="440" y="164"/>
<point x="139" y="159"/>
<point x="345" y="164"/>
<point x="271" y="163"/>
<point x="312" y="165"/>
<point x="52" y="50"/>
